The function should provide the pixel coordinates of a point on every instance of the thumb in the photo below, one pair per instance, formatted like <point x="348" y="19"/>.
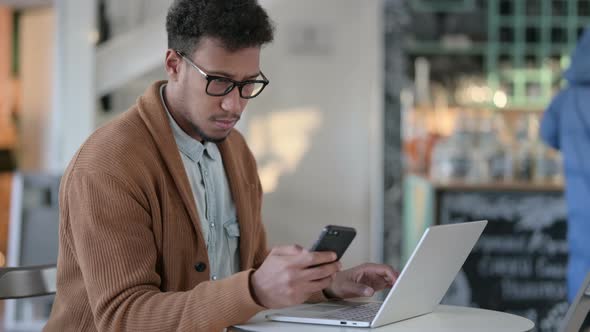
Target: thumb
<point x="355" y="289"/>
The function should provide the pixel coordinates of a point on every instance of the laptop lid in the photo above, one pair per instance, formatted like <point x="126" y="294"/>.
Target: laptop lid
<point x="425" y="279"/>
<point x="578" y="313"/>
<point x="429" y="272"/>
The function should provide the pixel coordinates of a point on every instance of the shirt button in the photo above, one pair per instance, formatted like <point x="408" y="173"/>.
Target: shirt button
<point x="200" y="267"/>
<point x="206" y="173"/>
<point x="214" y="277"/>
<point x="212" y="224"/>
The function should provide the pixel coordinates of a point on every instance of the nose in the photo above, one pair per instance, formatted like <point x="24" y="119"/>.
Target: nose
<point x="232" y="102"/>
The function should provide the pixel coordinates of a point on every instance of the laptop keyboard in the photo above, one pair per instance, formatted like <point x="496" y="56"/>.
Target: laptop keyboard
<point x="361" y="313"/>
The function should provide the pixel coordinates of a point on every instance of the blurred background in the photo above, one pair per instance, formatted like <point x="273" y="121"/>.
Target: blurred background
<point x="384" y="115"/>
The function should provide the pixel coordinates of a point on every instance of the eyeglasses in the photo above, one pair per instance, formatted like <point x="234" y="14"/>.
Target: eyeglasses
<point x="220" y="86"/>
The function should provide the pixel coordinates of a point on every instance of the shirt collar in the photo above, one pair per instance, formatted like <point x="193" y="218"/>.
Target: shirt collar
<point x="187" y="145"/>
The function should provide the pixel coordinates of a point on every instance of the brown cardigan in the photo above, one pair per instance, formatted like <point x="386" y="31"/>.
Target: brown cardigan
<point x="132" y="256"/>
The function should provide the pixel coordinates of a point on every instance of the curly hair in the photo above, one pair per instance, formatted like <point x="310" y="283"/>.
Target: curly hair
<point x="237" y="24"/>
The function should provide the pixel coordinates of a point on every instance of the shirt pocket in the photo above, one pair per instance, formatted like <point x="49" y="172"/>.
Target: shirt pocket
<point x="232" y="235"/>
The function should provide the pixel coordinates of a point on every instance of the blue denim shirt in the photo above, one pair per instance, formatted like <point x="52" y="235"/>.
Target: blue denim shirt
<point x="217" y="212"/>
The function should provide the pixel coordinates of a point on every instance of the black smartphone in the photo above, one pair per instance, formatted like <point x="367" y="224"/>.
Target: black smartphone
<point x="334" y="238"/>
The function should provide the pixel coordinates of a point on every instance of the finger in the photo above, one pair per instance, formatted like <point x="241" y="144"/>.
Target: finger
<point x="378" y="284"/>
<point x="311" y="258"/>
<point x="317" y="285"/>
<point x="321" y="272"/>
<point x="353" y="289"/>
<point x="376" y="281"/>
<point x="384" y="271"/>
<point x="289" y="250"/>
<point x="380" y="279"/>
<point x="390" y="280"/>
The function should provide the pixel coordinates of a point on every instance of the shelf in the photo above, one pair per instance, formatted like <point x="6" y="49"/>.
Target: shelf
<point x="498" y="186"/>
<point x="520" y="34"/>
<point x="445" y="6"/>
<point x="459" y="185"/>
<point x="440" y="48"/>
<point x="541" y="20"/>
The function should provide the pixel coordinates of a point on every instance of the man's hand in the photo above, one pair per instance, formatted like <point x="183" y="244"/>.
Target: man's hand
<point x="289" y="275"/>
<point x="362" y="280"/>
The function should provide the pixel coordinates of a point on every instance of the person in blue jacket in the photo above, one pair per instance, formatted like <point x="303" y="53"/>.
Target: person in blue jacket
<point x="566" y="127"/>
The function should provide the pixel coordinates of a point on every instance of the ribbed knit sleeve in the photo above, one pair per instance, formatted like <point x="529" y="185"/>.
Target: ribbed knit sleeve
<point x="262" y="251"/>
<point x="110" y="224"/>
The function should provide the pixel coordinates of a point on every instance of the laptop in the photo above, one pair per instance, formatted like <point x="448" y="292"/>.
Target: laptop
<point x="420" y="287"/>
<point x="577" y="317"/>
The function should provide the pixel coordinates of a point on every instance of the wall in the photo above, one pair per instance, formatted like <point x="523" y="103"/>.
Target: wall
<point x="396" y="22"/>
<point x="124" y="17"/>
<point x="315" y="131"/>
<point x="6" y="134"/>
<point x="37" y="28"/>
<point x="74" y="85"/>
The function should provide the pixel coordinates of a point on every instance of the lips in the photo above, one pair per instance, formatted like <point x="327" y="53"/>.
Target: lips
<point x="225" y="124"/>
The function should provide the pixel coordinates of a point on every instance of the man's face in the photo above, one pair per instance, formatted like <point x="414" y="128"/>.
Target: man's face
<point x="202" y="116"/>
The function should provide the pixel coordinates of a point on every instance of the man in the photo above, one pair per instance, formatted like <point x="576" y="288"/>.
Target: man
<point x="566" y="126"/>
<point x="161" y="209"/>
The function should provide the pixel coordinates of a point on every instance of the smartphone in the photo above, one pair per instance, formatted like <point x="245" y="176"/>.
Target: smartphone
<point x="334" y="238"/>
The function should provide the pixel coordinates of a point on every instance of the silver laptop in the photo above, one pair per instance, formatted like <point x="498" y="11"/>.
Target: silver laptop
<point x="423" y="282"/>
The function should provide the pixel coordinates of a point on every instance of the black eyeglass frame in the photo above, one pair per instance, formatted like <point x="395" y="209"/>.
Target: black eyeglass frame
<point x="239" y="84"/>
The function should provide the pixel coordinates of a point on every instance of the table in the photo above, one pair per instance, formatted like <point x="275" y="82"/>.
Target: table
<point x="444" y="319"/>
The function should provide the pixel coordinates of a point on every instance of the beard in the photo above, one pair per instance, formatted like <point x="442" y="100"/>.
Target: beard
<point x="207" y="138"/>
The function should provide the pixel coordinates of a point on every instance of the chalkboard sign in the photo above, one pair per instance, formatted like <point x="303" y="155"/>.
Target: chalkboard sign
<point x="519" y="263"/>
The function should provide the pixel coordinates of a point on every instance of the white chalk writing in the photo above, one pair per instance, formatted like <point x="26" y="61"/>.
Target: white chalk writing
<point x="533" y="290"/>
<point x="488" y="266"/>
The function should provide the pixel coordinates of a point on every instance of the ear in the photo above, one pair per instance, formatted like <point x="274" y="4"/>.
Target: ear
<point x="172" y="64"/>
